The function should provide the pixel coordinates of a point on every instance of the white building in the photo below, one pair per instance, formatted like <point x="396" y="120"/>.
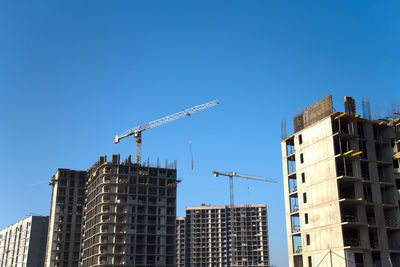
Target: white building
<point x="24" y="243"/>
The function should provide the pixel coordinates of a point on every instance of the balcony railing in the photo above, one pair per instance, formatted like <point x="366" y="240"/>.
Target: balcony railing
<point x="392" y="222"/>
<point x="394" y="245"/>
<point x="294" y="208"/>
<point x="295" y="228"/>
<point x="299" y="249"/>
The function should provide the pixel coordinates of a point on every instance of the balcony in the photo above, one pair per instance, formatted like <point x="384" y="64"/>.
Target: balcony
<point x="104" y="250"/>
<point x="298" y="249"/>
<point x="291" y="165"/>
<point x="104" y="260"/>
<point x="105" y="229"/>
<point x="294" y="203"/>
<point x="295" y="228"/>
<point x="296" y="243"/>
<point x="295" y="223"/>
<point x="394" y="245"/>
<point x="104" y="239"/>
<point x="392" y="222"/>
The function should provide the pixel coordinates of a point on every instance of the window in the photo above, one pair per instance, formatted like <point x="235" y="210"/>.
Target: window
<point x="303" y="177"/>
<point x="395" y="163"/>
<point x="301" y="158"/>
<point x="304" y="198"/>
<point x="306" y="218"/>
<point x="300" y="139"/>
<point x="308" y="240"/>
<point x="309" y="261"/>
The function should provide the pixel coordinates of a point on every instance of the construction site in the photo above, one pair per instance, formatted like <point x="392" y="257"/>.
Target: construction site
<point x="123" y="213"/>
<point x="342" y="180"/>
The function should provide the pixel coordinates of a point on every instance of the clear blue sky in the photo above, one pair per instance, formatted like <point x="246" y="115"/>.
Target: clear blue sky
<point x="75" y="73"/>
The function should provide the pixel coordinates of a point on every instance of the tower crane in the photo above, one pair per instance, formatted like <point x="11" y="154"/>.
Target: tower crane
<point x="245" y="176"/>
<point x="137" y="131"/>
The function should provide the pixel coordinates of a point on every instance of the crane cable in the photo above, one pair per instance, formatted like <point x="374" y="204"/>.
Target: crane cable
<point x="248" y="191"/>
<point x="190" y="141"/>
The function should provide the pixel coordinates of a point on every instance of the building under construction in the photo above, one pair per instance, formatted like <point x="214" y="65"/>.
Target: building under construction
<point x="66" y="217"/>
<point x="341" y="178"/>
<point x="180" y="241"/>
<point x="210" y="236"/>
<point x="22" y="244"/>
<point x="130" y="214"/>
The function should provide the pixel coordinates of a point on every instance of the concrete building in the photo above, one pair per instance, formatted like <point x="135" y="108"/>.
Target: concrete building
<point x="209" y="236"/>
<point x="66" y="214"/>
<point x="23" y="244"/>
<point x="341" y="181"/>
<point x="180" y="241"/>
<point x="130" y="215"/>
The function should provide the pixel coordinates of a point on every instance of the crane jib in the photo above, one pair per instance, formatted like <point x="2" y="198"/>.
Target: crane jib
<point x="136" y="131"/>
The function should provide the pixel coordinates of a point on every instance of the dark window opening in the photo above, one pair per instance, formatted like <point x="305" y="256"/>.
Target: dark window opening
<point x="396" y="163"/>
<point x="358" y="257"/>
<point x="304" y="198"/>
<point x="365" y="170"/>
<point x="367" y="192"/>
<point x="309" y="261"/>
<point x="344" y="167"/>
<point x="360" y="130"/>
<point x="341" y="145"/>
<point x="300" y="139"/>
<point x="301" y="158"/>
<point x="306" y="218"/>
<point x="303" y="177"/>
<point x="370" y="215"/>
<point x="379" y="152"/>
<point x="308" y="240"/>
<point x="351" y="237"/>
<point x="363" y="147"/>
<point x="346" y="190"/>
<point x="376" y="258"/>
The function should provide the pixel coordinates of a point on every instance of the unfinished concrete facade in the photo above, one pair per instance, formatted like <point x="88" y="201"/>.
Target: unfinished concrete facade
<point x="180" y="241"/>
<point x="66" y="218"/>
<point x="22" y="244"/>
<point x="341" y="184"/>
<point x="209" y="231"/>
<point x="129" y="215"/>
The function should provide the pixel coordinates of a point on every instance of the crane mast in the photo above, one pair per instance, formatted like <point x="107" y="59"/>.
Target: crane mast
<point x="137" y="131"/>
<point x="232" y="214"/>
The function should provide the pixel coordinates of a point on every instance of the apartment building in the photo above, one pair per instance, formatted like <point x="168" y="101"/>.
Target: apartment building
<point x="66" y="215"/>
<point x="130" y="214"/>
<point x="341" y="183"/>
<point x="215" y="236"/>
<point x="23" y="244"/>
<point x="180" y="241"/>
